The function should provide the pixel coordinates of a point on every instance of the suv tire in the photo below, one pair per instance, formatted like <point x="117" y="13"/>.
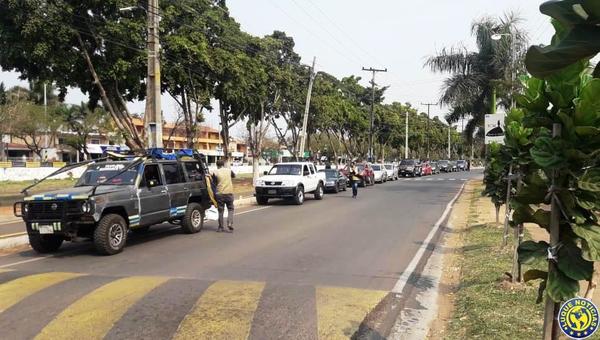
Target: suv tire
<point x="45" y="243"/>
<point x="262" y="200"/>
<point x="320" y="192"/>
<point x="193" y="221"/>
<point x="299" y="198"/>
<point x="110" y="235"/>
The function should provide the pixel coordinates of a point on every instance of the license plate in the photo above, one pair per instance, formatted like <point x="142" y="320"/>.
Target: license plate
<point x="46" y="229"/>
<point x="272" y="192"/>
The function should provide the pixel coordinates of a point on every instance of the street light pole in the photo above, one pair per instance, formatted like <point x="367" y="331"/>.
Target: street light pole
<point x="427" y="132"/>
<point x="372" y="121"/>
<point x="311" y="81"/>
<point x="406" y="138"/>
<point x="153" y="116"/>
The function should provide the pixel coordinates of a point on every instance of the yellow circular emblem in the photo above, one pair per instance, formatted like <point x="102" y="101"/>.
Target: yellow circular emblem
<point x="578" y="318"/>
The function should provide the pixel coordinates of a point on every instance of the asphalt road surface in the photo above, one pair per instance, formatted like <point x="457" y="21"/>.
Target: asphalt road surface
<point x="296" y="272"/>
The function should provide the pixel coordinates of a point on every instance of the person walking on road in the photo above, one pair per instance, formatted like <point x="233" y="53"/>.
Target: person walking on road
<point x="354" y="179"/>
<point x="224" y="195"/>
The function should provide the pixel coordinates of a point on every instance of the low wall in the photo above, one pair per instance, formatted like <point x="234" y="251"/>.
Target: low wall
<point x="29" y="174"/>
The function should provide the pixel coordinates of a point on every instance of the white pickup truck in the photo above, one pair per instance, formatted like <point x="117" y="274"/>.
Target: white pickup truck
<point x="290" y="181"/>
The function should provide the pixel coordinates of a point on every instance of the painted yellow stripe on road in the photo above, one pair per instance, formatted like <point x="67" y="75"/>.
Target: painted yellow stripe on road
<point x="224" y="311"/>
<point x="340" y="311"/>
<point x="16" y="290"/>
<point x="5" y="270"/>
<point x="92" y="316"/>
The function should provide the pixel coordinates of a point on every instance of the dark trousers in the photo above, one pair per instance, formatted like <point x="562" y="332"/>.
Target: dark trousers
<point x="225" y="200"/>
<point x="354" y="188"/>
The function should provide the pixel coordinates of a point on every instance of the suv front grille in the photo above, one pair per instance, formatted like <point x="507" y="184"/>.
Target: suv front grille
<point x="273" y="183"/>
<point x="51" y="210"/>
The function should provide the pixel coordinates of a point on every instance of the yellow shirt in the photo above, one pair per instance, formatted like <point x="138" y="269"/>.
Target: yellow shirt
<point x="224" y="182"/>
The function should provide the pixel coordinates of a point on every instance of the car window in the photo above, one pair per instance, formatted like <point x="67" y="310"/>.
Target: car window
<point x="193" y="170"/>
<point x="151" y="173"/>
<point x="306" y="172"/>
<point x="407" y="162"/>
<point x="376" y="167"/>
<point x="172" y="173"/>
<point x="286" y="169"/>
<point x="100" y="173"/>
<point x="330" y="174"/>
<point x="312" y="169"/>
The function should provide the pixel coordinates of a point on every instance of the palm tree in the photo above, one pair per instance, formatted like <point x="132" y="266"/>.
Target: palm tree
<point x="478" y="78"/>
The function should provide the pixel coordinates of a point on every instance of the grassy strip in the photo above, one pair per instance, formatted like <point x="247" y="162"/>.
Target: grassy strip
<point x="241" y="184"/>
<point x="486" y="307"/>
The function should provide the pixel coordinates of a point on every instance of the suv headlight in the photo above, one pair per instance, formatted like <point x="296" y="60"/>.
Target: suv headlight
<point x="259" y="183"/>
<point x="86" y="207"/>
<point x="25" y="208"/>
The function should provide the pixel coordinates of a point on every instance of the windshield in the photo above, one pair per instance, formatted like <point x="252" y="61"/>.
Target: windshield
<point x="443" y="162"/>
<point x="360" y="167"/>
<point x="388" y="166"/>
<point x="99" y="173"/>
<point x="462" y="162"/>
<point x="286" y="169"/>
<point x="407" y="162"/>
<point x="330" y="174"/>
<point x="376" y="167"/>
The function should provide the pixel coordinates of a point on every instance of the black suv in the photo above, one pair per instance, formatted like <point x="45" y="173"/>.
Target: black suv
<point x="410" y="167"/>
<point x="113" y="197"/>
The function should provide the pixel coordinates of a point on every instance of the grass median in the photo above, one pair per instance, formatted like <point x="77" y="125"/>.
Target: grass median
<point x="486" y="305"/>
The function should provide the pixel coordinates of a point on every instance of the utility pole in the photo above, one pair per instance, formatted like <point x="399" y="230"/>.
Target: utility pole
<point x="449" y="147"/>
<point x="373" y="71"/>
<point x="427" y="132"/>
<point x="153" y="116"/>
<point x="406" y="138"/>
<point x="46" y="137"/>
<point x="313" y="75"/>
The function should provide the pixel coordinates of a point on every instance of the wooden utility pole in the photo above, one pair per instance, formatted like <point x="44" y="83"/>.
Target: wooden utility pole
<point x="153" y="117"/>
<point x="313" y="75"/>
<point x="372" y="120"/>
<point x="406" y="138"/>
<point x="427" y="132"/>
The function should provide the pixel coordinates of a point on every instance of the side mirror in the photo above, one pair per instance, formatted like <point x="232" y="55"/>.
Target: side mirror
<point x="265" y="173"/>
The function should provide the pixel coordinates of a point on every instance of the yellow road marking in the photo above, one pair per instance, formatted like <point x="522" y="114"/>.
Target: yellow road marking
<point x="16" y="290"/>
<point x="92" y="316"/>
<point x="5" y="270"/>
<point x="224" y="311"/>
<point x="340" y="311"/>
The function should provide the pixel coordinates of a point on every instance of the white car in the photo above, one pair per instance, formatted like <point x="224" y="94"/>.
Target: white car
<point x="290" y="181"/>
<point x="392" y="171"/>
<point x="379" y="173"/>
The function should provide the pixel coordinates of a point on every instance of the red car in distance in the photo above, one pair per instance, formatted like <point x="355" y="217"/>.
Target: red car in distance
<point x="426" y="169"/>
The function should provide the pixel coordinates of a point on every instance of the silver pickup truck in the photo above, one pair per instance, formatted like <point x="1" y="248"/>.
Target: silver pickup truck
<point x="114" y="197"/>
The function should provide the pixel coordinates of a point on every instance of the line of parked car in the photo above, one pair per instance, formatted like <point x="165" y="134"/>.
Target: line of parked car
<point x="292" y="181"/>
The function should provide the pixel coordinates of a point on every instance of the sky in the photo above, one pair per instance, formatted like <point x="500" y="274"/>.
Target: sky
<point x="347" y="35"/>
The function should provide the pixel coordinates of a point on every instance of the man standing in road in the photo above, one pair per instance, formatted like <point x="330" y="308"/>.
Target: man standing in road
<point x="224" y="195"/>
<point x="354" y="179"/>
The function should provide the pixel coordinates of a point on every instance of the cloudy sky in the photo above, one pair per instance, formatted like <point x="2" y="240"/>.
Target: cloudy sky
<point x="346" y="35"/>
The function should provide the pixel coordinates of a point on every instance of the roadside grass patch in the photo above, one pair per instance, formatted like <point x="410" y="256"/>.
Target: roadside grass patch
<point x="487" y="306"/>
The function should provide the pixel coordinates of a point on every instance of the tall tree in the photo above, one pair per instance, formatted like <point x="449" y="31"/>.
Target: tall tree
<point x="83" y="44"/>
<point x="477" y="78"/>
<point x="82" y="122"/>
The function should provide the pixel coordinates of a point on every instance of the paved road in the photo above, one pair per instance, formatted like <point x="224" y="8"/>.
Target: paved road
<point x="315" y="271"/>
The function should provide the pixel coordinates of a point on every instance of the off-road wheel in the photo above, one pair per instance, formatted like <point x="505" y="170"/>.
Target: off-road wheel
<point x="110" y="235"/>
<point x="299" y="198"/>
<point x="320" y="192"/>
<point x="44" y="244"/>
<point x="193" y="221"/>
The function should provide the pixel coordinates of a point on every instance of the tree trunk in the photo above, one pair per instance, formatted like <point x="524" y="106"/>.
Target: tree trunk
<point x="518" y="232"/>
<point x="498" y="213"/>
<point x="224" y="131"/>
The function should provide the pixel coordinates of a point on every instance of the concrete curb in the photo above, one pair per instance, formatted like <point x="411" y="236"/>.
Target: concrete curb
<point x="12" y="242"/>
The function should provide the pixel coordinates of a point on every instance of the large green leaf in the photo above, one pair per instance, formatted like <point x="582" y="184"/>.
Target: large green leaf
<point x="579" y="43"/>
<point x="587" y="106"/>
<point x="590" y="232"/>
<point x="530" y="251"/>
<point x="572" y="264"/>
<point x="587" y="200"/>
<point x="542" y="218"/>
<point x="561" y="287"/>
<point x="585" y="131"/>
<point x="547" y="153"/>
<point x="590" y="180"/>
